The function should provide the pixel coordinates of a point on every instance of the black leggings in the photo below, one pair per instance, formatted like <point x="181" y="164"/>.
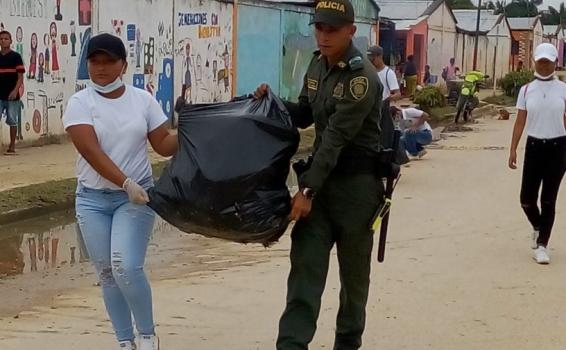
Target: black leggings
<point x="545" y="163"/>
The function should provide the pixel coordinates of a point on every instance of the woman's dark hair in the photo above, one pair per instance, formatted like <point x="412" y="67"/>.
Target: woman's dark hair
<point x="410" y="58"/>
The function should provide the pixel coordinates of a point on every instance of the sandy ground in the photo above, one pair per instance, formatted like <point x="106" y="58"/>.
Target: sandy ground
<point x="458" y="274"/>
<point x="34" y="165"/>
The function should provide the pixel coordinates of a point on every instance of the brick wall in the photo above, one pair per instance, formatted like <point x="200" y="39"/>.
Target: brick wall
<point x="525" y="48"/>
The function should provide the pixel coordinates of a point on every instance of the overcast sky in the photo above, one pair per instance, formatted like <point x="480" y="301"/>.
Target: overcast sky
<point x="544" y="6"/>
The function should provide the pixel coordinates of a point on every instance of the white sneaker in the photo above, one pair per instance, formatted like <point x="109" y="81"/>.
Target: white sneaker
<point x="534" y="237"/>
<point x="149" y="342"/>
<point x="541" y="256"/>
<point x="127" y="345"/>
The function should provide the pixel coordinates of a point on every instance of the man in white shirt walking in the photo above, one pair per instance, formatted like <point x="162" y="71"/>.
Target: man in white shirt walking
<point x="391" y="91"/>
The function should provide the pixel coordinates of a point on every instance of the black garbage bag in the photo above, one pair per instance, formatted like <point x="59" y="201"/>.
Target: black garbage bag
<point x="228" y="179"/>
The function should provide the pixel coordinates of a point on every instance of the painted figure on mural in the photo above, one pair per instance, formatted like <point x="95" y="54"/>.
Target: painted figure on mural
<point x="33" y="57"/>
<point x="187" y="81"/>
<point x="54" y="55"/>
<point x="73" y="38"/>
<point x="226" y="58"/>
<point x="20" y="41"/>
<point x="58" y="15"/>
<point x="85" y="12"/>
<point x="47" y="54"/>
<point x="82" y="71"/>
<point x="198" y="70"/>
<point x="40" y="68"/>
<point x="138" y="48"/>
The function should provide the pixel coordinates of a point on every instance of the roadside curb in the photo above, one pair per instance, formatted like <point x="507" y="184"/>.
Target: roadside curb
<point x="32" y="212"/>
<point x="44" y="198"/>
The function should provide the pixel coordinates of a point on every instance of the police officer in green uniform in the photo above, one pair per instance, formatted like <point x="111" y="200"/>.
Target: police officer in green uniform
<point x="341" y="191"/>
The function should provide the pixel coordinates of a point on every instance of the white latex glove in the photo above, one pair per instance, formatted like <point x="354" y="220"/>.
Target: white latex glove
<point x="136" y="193"/>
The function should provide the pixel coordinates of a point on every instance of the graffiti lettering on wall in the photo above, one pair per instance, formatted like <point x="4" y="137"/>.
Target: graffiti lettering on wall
<point x="201" y="19"/>
<point x="208" y="32"/>
<point x="28" y="8"/>
<point x="190" y="19"/>
<point x="205" y="52"/>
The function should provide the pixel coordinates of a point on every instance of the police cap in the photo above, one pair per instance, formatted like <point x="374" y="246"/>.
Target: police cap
<point x="336" y="13"/>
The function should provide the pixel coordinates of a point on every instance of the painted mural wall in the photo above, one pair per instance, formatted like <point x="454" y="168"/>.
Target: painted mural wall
<point x="149" y="42"/>
<point x="51" y="36"/>
<point x="203" y="51"/>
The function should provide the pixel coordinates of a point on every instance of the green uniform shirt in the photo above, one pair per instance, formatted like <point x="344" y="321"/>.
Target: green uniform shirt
<point x="344" y="102"/>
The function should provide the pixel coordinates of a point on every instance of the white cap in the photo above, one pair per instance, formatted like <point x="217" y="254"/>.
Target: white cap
<point x="547" y="51"/>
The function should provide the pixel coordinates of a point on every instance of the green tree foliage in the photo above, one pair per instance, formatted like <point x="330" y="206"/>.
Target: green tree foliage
<point x="555" y="16"/>
<point x="522" y="8"/>
<point x="461" y="4"/>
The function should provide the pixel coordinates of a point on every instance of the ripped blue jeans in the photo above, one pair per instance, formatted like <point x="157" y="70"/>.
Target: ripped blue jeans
<point x="116" y="234"/>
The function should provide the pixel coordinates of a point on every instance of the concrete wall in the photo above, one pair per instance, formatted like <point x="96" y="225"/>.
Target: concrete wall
<point x="441" y="38"/>
<point x="51" y="41"/>
<point x="465" y="53"/>
<point x="279" y="53"/>
<point x="499" y="51"/>
<point x="298" y="47"/>
<point x="259" y="50"/>
<point x="494" y="51"/>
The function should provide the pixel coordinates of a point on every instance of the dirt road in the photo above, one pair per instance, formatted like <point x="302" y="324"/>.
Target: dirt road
<point x="458" y="275"/>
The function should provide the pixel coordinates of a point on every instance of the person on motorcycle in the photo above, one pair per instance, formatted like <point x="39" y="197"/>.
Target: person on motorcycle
<point x="467" y="101"/>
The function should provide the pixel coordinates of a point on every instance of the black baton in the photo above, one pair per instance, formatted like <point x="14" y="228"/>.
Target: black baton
<point x="392" y="177"/>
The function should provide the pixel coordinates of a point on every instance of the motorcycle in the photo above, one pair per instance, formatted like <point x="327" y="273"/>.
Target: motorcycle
<point x="468" y="100"/>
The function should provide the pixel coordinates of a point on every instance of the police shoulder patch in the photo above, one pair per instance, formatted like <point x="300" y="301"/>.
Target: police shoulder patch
<point x="356" y="63"/>
<point x="359" y="87"/>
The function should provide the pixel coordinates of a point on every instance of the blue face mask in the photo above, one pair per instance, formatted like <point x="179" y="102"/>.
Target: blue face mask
<point x="106" y="89"/>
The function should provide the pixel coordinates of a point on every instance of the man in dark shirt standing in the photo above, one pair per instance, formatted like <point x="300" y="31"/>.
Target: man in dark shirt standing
<point x="11" y="80"/>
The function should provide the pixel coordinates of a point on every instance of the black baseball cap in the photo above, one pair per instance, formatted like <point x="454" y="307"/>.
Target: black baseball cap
<point x="375" y="51"/>
<point x="108" y="43"/>
<point x="336" y="13"/>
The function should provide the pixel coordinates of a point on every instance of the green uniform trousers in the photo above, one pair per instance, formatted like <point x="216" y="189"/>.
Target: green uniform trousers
<point x="342" y="213"/>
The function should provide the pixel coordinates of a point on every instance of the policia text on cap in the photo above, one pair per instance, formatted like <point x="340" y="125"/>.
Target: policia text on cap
<point x="340" y="190"/>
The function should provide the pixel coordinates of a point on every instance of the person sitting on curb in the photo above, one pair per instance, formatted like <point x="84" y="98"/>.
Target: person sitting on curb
<point x="417" y="132"/>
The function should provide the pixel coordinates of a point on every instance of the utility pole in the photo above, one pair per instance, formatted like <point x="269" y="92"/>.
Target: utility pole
<point x="477" y="36"/>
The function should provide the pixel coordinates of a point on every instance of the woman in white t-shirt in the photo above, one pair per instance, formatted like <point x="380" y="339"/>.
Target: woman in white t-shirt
<point x="110" y="124"/>
<point x="417" y="132"/>
<point x="541" y="106"/>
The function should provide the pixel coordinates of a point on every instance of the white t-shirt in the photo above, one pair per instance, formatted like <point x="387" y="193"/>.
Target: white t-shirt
<point x="121" y="126"/>
<point x="411" y="116"/>
<point x="545" y="103"/>
<point x="389" y="81"/>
